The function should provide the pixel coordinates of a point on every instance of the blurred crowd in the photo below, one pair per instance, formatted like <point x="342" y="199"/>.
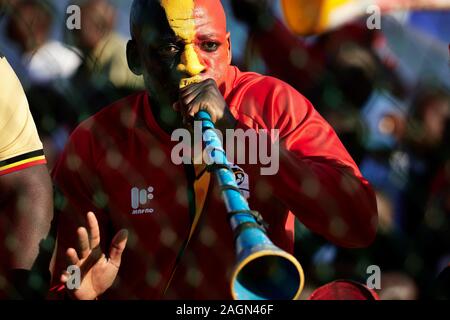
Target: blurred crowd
<point x="395" y="124"/>
<point x="69" y="79"/>
<point x="397" y="131"/>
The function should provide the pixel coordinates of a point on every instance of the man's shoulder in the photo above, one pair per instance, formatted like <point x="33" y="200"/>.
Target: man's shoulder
<point x="252" y="83"/>
<point x="255" y="94"/>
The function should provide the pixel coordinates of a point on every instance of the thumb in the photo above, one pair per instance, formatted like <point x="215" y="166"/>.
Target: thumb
<point x="118" y="244"/>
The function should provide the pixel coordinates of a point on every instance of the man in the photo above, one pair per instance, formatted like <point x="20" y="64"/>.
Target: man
<point x="25" y="195"/>
<point x="44" y="63"/>
<point x="118" y="165"/>
<point x="29" y="26"/>
<point x="102" y="48"/>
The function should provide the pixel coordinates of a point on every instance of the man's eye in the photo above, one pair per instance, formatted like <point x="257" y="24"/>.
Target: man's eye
<point x="170" y="50"/>
<point x="210" y="46"/>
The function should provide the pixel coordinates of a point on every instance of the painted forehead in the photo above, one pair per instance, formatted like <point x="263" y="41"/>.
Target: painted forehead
<point x="186" y="17"/>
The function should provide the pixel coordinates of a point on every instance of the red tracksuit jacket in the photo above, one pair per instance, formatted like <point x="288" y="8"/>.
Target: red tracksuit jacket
<point x="118" y="165"/>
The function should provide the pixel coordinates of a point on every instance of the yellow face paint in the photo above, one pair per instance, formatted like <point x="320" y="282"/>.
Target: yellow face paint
<point x="180" y="15"/>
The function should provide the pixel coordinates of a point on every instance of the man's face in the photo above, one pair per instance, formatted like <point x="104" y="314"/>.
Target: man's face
<point x="185" y="41"/>
<point x="97" y="22"/>
<point x="27" y="23"/>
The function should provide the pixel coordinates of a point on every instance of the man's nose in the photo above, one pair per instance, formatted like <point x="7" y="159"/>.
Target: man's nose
<point x="190" y="63"/>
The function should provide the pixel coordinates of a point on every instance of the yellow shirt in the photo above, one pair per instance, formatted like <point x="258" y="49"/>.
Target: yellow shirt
<point x="20" y="146"/>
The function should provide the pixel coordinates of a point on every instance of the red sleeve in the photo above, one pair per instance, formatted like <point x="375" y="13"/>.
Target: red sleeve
<point x="77" y="193"/>
<point x="317" y="179"/>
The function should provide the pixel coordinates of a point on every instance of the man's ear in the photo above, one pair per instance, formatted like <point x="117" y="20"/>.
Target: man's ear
<point x="230" y="53"/>
<point x="134" y="62"/>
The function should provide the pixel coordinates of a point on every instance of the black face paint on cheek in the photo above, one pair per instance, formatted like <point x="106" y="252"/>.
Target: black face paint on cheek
<point x="163" y="78"/>
<point x="155" y="36"/>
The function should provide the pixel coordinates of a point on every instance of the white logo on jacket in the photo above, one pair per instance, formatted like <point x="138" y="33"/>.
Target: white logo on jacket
<point x="140" y="199"/>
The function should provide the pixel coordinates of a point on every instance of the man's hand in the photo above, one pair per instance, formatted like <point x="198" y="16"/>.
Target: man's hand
<point x="205" y="96"/>
<point x="97" y="272"/>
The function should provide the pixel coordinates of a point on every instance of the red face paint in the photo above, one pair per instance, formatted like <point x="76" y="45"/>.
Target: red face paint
<point x="212" y="40"/>
<point x="181" y="41"/>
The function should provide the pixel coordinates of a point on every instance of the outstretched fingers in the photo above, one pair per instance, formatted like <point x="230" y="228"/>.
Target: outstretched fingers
<point x="94" y="230"/>
<point x="72" y="259"/>
<point x="88" y="239"/>
<point x="117" y="247"/>
<point x="83" y="243"/>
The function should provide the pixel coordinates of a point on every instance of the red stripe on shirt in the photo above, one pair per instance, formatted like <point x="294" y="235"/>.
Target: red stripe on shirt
<point x="23" y="166"/>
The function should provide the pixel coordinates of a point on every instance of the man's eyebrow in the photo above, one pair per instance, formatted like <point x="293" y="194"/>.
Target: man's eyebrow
<point x="164" y="39"/>
<point x="207" y="36"/>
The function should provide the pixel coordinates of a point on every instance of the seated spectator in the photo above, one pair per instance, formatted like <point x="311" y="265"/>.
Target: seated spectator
<point x="29" y="26"/>
<point x="104" y="50"/>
